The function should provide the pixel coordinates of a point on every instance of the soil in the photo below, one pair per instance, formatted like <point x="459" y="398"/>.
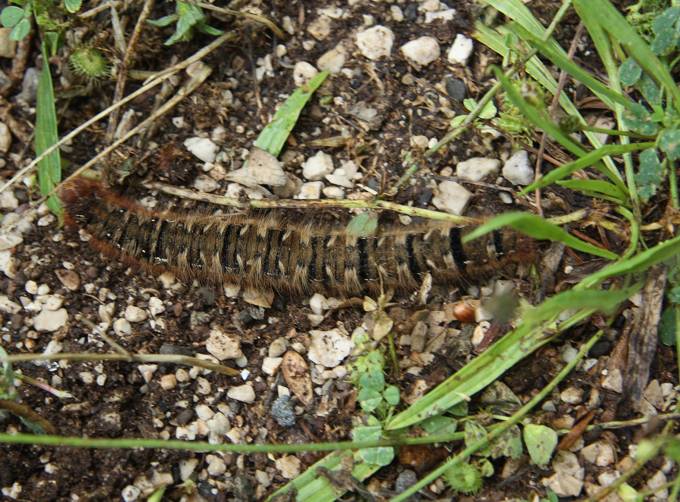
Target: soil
<point x="121" y="399"/>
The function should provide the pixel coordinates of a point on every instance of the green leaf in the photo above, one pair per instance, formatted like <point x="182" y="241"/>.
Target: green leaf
<point x="650" y="90"/>
<point x="674" y="295"/>
<point x="584" y="161"/>
<point x="666" y="20"/>
<point x="375" y="456"/>
<point x="488" y="112"/>
<point x="611" y="20"/>
<point x="46" y="135"/>
<point x="650" y="175"/>
<point x="464" y="478"/>
<point x="474" y="432"/>
<point x="10" y="16"/>
<point x="630" y="72"/>
<point x="209" y="30"/>
<point x="595" y="188"/>
<point x="575" y="299"/>
<point x="664" y="42"/>
<point x="391" y="395"/>
<point x="668" y="326"/>
<point x="73" y="6"/>
<point x="163" y="21"/>
<point x="363" y="225"/>
<point x="274" y="135"/>
<point x="373" y="379"/>
<point x="669" y="142"/>
<point x="640" y="120"/>
<point x="369" y="399"/>
<point x="541" y="442"/>
<point x="21" y="30"/>
<point x="538" y="228"/>
<point x="440" y="425"/>
<point x="508" y="444"/>
<point x="310" y="486"/>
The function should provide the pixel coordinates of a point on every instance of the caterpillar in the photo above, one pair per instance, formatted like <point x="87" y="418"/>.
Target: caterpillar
<point x="266" y="251"/>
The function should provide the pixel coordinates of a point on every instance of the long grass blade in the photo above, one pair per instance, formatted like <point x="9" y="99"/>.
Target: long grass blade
<point x="585" y="161"/>
<point x="538" y="228"/>
<point x="496" y="42"/>
<point x="612" y="21"/>
<point x="46" y="135"/>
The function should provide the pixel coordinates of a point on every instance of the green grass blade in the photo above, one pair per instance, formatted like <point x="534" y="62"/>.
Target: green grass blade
<point x="46" y="135"/>
<point x="562" y="61"/>
<point x="274" y="135"/>
<point x="472" y="377"/>
<point x="312" y="487"/>
<point x="584" y="161"/>
<point x="596" y="188"/>
<point x="612" y="21"/>
<point x="537" y="228"/>
<point x="606" y="301"/>
<point x="519" y="13"/>
<point x="537" y="117"/>
<point x="495" y="41"/>
<point x="505" y="353"/>
<point x="636" y="264"/>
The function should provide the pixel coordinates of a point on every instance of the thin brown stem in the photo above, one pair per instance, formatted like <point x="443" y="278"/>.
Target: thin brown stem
<point x="123" y="69"/>
<point x="561" y="82"/>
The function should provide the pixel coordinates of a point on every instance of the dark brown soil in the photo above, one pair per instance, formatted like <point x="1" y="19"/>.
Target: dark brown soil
<point x="115" y="400"/>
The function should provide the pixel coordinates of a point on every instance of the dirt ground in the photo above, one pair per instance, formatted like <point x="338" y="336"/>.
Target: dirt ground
<point x="369" y="113"/>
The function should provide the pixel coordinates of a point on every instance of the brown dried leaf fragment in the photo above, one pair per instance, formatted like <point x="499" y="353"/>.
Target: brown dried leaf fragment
<point x="296" y="375"/>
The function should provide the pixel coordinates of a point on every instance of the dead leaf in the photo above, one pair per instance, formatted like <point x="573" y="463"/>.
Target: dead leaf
<point x="295" y="372"/>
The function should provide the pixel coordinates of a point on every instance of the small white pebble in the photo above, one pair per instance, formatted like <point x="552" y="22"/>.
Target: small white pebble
<point x="376" y="42"/>
<point x="203" y="148"/>
<point x="517" y="169"/>
<point x="122" y="327"/>
<point x="244" y="393"/>
<point x="303" y="72"/>
<point x="422" y="51"/>
<point x="135" y="314"/>
<point x="460" y="51"/>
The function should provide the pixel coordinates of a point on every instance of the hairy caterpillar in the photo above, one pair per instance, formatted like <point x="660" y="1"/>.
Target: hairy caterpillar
<point x="294" y="257"/>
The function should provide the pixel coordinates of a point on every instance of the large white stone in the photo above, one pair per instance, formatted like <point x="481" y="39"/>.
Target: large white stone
<point x="517" y="169"/>
<point x="375" y="42"/>
<point x="50" y="320"/>
<point x="477" y="168"/>
<point x="451" y="197"/>
<point x="203" y="148"/>
<point x="422" y="51"/>
<point x="303" y="72"/>
<point x="244" y="393"/>
<point x="317" y="166"/>
<point x="329" y="348"/>
<point x="223" y="346"/>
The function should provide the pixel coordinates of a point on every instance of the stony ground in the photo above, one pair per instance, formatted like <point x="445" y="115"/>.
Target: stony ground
<point x="400" y="73"/>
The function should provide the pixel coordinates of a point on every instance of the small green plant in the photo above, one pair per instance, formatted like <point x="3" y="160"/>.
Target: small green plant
<point x="189" y="18"/>
<point x="17" y="18"/>
<point x="376" y="399"/>
<point x="47" y="15"/>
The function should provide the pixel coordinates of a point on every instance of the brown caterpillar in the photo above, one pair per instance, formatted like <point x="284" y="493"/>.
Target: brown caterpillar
<point x="268" y="252"/>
